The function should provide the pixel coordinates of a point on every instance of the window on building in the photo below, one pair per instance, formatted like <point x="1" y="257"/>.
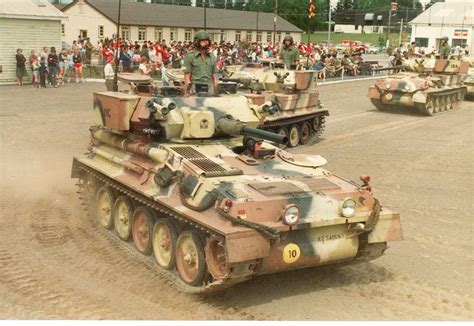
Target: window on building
<point x="279" y="37"/>
<point x="142" y="33"/>
<point x="173" y="34"/>
<point x="188" y="34"/>
<point x="125" y="32"/>
<point x="63" y="30"/>
<point x="458" y="41"/>
<point x="83" y="33"/>
<point x="259" y="36"/>
<point x="101" y="31"/>
<point x="237" y="36"/>
<point x="269" y="37"/>
<point x="421" y="41"/>
<point x="158" y="34"/>
<point x="249" y="36"/>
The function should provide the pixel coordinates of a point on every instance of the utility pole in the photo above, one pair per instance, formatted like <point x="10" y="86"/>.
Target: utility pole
<point x="117" y="55"/>
<point x="329" y="23"/>
<point x="401" y="31"/>
<point x="275" y="10"/>
<point x="204" y="5"/>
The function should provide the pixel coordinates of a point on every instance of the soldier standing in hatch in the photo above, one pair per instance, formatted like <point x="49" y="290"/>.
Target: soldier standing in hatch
<point x="200" y="65"/>
<point x="445" y="49"/>
<point x="289" y="54"/>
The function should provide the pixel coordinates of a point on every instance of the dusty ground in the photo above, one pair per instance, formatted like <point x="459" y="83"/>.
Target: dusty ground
<point x="54" y="262"/>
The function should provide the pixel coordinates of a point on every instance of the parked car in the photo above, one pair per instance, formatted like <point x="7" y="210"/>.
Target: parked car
<point x="355" y="45"/>
<point x="373" y="49"/>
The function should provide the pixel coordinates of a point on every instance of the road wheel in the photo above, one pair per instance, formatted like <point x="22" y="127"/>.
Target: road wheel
<point x="142" y="228"/>
<point x="164" y="243"/>
<point x="284" y="132"/>
<point x="454" y="102"/>
<point x="190" y="260"/>
<point x="305" y="133"/>
<point x="90" y="186"/>
<point x="449" y="102"/>
<point x="294" y="135"/>
<point x="123" y="213"/>
<point x="216" y="258"/>
<point x="436" y="105"/>
<point x="105" y="204"/>
<point x="316" y="123"/>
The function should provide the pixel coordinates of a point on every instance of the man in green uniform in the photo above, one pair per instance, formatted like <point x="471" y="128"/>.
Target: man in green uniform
<point x="200" y="66"/>
<point x="445" y="49"/>
<point x="289" y="54"/>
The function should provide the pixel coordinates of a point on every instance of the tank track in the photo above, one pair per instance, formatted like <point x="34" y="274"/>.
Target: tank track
<point x="367" y="252"/>
<point x="170" y="276"/>
<point x="437" y="102"/>
<point x="315" y="134"/>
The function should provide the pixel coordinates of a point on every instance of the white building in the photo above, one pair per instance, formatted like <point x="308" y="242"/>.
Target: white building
<point x="453" y="18"/>
<point x="29" y="25"/>
<point x="97" y="19"/>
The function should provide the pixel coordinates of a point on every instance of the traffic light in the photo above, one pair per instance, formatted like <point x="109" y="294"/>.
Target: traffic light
<point x="311" y="9"/>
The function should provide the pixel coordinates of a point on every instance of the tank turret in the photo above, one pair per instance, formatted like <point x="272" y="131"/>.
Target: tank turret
<point x="185" y="118"/>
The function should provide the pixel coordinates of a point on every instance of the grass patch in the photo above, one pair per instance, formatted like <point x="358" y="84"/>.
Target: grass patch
<point x="338" y="37"/>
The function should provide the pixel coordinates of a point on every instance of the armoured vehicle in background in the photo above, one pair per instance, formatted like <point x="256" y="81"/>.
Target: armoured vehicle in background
<point x="430" y="87"/>
<point x="191" y="181"/>
<point x="296" y="110"/>
<point x="469" y="79"/>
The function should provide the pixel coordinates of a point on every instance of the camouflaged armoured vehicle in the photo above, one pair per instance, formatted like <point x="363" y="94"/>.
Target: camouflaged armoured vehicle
<point x="296" y="110"/>
<point x="429" y="87"/>
<point x="469" y="79"/>
<point x="189" y="181"/>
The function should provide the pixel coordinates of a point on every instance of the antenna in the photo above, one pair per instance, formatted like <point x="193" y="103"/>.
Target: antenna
<point x="117" y="55"/>
<point x="462" y="25"/>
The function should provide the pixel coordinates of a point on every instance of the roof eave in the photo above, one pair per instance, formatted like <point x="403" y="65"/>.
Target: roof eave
<point x="15" y="16"/>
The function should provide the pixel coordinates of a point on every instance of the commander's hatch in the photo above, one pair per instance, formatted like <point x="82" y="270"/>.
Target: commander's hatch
<point x="138" y="83"/>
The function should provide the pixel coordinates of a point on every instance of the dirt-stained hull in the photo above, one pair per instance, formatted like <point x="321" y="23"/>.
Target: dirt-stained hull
<point x="251" y="238"/>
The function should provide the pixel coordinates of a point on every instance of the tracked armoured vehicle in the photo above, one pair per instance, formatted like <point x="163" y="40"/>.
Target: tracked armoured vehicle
<point x="296" y="110"/>
<point x="190" y="181"/>
<point x="469" y="79"/>
<point x="429" y="87"/>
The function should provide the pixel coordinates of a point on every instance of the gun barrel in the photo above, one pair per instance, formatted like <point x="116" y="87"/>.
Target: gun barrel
<point x="259" y="133"/>
<point x="234" y="128"/>
<point x="244" y="81"/>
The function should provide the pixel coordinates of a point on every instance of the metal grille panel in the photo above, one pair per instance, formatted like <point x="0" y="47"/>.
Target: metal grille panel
<point x="188" y="152"/>
<point x="207" y="165"/>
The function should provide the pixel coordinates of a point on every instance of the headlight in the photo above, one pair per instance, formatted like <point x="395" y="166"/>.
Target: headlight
<point x="387" y="86"/>
<point x="291" y="214"/>
<point x="348" y="208"/>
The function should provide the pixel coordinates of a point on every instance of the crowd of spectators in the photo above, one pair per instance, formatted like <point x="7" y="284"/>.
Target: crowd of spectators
<point x="50" y="67"/>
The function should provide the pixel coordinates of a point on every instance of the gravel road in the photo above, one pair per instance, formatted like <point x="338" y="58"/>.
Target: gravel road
<point x="56" y="264"/>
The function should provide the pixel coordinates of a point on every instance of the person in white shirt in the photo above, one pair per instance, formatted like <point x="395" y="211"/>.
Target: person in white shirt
<point x="109" y="73"/>
<point x="143" y="68"/>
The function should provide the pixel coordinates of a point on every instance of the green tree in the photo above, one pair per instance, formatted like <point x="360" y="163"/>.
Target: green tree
<point x="432" y="2"/>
